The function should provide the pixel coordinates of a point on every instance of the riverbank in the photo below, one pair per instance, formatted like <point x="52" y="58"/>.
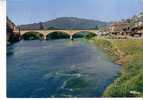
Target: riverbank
<point x="128" y="53"/>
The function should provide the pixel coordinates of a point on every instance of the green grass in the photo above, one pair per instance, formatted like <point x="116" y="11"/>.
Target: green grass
<point x="129" y="53"/>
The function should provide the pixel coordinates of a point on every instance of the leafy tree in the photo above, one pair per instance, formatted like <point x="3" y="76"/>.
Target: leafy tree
<point x="52" y="28"/>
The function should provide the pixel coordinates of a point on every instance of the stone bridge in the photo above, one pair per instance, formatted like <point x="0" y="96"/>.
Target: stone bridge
<point x="46" y="32"/>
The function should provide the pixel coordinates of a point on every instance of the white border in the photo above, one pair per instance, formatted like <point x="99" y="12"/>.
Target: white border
<point x="2" y="49"/>
<point x="3" y="64"/>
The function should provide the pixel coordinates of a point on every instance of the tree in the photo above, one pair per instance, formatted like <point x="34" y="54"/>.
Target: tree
<point x="41" y="25"/>
<point x="52" y="28"/>
<point x="96" y="27"/>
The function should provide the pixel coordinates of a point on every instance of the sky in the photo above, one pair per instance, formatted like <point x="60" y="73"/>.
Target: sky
<point x="33" y="11"/>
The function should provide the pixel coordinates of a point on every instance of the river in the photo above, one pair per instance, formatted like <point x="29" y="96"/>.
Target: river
<point x="58" y="68"/>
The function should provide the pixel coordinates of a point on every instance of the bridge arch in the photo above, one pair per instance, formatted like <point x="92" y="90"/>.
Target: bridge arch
<point x="69" y="32"/>
<point x="57" y="35"/>
<point x="32" y="35"/>
<point x="81" y="34"/>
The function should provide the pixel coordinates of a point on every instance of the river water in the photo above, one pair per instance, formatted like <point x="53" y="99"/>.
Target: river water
<point x="58" y="68"/>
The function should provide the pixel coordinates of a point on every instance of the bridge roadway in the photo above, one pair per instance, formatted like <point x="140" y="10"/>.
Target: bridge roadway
<point x="46" y="32"/>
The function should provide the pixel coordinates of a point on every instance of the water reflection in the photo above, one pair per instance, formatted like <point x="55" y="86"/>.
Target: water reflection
<point x="10" y="50"/>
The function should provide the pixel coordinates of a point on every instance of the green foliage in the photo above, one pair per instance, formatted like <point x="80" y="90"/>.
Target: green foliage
<point x="32" y="36"/>
<point x="87" y="35"/>
<point x="126" y="84"/>
<point x="52" y="28"/>
<point x="130" y="82"/>
<point x="67" y="23"/>
<point x="90" y="35"/>
<point x="57" y="35"/>
<point x="105" y="44"/>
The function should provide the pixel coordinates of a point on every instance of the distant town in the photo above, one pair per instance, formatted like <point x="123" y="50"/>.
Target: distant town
<point x="126" y="28"/>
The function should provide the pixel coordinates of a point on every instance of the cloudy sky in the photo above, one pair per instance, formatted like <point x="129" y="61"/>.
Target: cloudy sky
<point x="31" y="11"/>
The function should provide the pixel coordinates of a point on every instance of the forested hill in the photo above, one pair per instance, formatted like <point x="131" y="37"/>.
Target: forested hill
<point x="66" y="23"/>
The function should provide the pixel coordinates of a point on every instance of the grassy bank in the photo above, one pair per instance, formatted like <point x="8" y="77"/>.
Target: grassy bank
<point x="129" y="53"/>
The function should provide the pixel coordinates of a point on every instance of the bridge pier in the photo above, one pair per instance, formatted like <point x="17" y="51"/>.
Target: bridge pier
<point x="45" y="37"/>
<point x="71" y="38"/>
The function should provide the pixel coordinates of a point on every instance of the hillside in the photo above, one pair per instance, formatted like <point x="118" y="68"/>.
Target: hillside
<point x="135" y="20"/>
<point x="66" y="23"/>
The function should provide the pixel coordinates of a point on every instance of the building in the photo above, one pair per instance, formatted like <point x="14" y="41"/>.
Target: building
<point x="119" y="28"/>
<point x="12" y="36"/>
<point x="10" y="28"/>
<point x="137" y="31"/>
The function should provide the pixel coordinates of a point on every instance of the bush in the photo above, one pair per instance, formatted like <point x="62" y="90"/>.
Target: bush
<point x="86" y="35"/>
<point x="130" y="82"/>
<point x="90" y="35"/>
